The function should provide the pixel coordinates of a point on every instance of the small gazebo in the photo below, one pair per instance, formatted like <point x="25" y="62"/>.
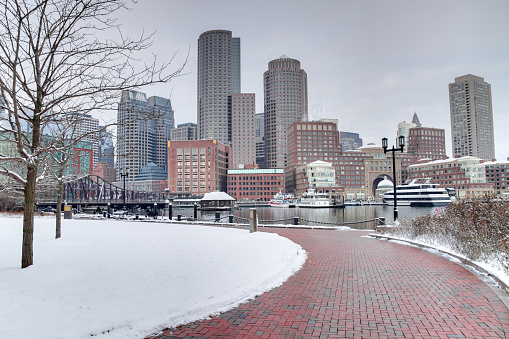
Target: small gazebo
<point x="216" y="201"/>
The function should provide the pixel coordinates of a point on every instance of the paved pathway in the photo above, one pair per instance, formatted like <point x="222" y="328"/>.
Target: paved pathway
<point x="353" y="286"/>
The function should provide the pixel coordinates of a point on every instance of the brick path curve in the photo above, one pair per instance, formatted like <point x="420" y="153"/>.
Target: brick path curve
<point x="354" y="286"/>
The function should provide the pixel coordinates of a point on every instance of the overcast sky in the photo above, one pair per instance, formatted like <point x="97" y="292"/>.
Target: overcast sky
<point x="370" y="64"/>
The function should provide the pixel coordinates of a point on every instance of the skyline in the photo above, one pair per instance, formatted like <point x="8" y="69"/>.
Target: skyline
<point x="370" y="65"/>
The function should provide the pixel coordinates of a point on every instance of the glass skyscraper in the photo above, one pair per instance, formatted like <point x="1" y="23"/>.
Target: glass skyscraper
<point x="143" y="132"/>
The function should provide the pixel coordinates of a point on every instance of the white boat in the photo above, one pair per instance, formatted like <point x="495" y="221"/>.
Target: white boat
<point x="313" y="199"/>
<point x="283" y="200"/>
<point x="419" y="193"/>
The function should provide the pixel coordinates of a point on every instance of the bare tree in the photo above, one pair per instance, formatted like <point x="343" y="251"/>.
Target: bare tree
<point x="52" y="63"/>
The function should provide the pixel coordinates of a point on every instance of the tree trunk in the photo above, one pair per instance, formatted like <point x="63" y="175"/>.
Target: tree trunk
<point x="27" y="258"/>
<point x="58" y="216"/>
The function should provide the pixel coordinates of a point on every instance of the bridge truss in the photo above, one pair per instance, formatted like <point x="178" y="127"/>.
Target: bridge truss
<point x="93" y="189"/>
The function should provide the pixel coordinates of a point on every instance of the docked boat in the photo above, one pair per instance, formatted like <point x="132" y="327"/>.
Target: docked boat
<point x="419" y="193"/>
<point x="283" y="200"/>
<point x="352" y="203"/>
<point x="313" y="199"/>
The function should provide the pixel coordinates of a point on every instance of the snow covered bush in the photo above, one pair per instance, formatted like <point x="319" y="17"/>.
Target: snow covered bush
<point x="477" y="228"/>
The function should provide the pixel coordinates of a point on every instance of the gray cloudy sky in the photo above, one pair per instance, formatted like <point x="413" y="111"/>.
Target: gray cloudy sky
<point x="370" y="64"/>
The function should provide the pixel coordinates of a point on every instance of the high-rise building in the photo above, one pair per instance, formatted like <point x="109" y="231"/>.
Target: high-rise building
<point x="218" y="78"/>
<point x="106" y="148"/>
<point x="286" y="101"/>
<point x="349" y="140"/>
<point x="86" y="127"/>
<point x="471" y="117"/>
<point x="162" y="121"/>
<point x="260" y="140"/>
<point x="143" y="132"/>
<point x="260" y="124"/>
<point x="184" y="132"/>
<point x="243" y="144"/>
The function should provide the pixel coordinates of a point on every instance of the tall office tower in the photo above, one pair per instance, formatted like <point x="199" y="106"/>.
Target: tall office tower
<point x="349" y="141"/>
<point x="286" y="101"/>
<point x="161" y="123"/>
<point x="184" y="132"/>
<point x="243" y="145"/>
<point x="471" y="117"/>
<point x="218" y="78"/>
<point x="143" y="132"/>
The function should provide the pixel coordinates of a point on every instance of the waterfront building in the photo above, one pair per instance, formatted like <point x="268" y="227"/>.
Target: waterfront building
<point x="197" y="167"/>
<point x="471" y="117"/>
<point x="497" y="173"/>
<point x="255" y="184"/>
<point x="372" y="166"/>
<point x="143" y="132"/>
<point x="183" y="132"/>
<point x="218" y="79"/>
<point x="349" y="140"/>
<point x="466" y="175"/>
<point x="309" y="141"/>
<point x="243" y="143"/>
<point x="318" y="175"/>
<point x="286" y="102"/>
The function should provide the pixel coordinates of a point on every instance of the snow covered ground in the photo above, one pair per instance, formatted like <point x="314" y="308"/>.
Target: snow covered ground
<point x="119" y="279"/>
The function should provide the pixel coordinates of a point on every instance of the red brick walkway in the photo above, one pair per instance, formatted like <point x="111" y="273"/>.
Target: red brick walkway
<point x="353" y="286"/>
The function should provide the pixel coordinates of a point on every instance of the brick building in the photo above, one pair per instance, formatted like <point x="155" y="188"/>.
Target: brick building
<point x="426" y="142"/>
<point x="197" y="167"/>
<point x="497" y="173"/>
<point x="255" y="184"/>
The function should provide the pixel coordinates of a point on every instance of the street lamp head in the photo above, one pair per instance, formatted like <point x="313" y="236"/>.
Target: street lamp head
<point x="384" y="144"/>
<point x="401" y="141"/>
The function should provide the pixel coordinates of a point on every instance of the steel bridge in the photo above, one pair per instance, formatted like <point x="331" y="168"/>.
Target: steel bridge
<point x="94" y="190"/>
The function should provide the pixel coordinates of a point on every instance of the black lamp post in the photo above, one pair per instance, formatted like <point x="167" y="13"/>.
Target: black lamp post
<point x="401" y="143"/>
<point x="123" y="175"/>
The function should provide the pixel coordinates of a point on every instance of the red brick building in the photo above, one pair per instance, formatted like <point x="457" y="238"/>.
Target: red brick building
<point x="426" y="142"/>
<point x="309" y="141"/>
<point x="255" y="184"/>
<point x="196" y="167"/>
<point x="105" y="171"/>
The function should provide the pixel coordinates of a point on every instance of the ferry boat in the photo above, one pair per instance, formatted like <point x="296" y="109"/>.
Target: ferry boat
<point x="283" y="200"/>
<point x="419" y="193"/>
<point x="313" y="199"/>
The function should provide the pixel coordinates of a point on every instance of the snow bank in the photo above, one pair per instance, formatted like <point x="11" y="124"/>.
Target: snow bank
<point x="119" y="279"/>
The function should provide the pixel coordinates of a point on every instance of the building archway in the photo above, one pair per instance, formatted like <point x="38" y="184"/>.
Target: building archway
<point x="379" y="179"/>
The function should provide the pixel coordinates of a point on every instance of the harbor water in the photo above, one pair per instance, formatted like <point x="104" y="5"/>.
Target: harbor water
<point x="316" y="216"/>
